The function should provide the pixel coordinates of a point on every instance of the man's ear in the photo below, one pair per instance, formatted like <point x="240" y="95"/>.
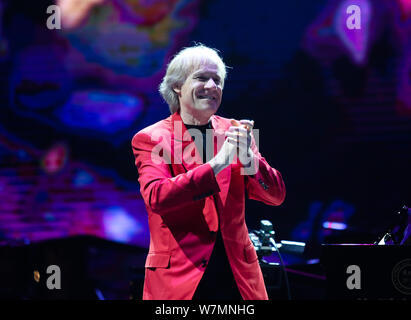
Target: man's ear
<point x="177" y="90"/>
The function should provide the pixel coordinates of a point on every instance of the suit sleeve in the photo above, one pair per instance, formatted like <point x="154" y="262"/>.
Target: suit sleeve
<point x="161" y="190"/>
<point x="266" y="184"/>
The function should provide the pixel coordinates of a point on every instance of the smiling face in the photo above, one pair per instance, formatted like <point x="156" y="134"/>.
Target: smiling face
<point x="200" y="95"/>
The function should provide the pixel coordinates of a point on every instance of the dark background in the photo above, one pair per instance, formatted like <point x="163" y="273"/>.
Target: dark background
<point x="337" y="128"/>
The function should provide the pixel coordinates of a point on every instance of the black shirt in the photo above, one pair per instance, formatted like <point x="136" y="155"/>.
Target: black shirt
<point x="218" y="281"/>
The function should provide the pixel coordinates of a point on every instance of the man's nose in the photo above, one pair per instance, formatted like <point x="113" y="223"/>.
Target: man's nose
<point x="210" y="84"/>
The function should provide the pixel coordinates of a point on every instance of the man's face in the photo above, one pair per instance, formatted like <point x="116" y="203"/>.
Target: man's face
<point x="202" y="91"/>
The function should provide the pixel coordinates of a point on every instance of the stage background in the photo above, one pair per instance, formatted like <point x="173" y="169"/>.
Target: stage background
<point x="333" y="107"/>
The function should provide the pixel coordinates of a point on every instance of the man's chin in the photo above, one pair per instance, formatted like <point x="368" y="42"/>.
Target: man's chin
<point x="208" y="106"/>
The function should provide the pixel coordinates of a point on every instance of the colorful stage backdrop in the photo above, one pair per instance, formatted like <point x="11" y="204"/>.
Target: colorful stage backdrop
<point x="332" y="102"/>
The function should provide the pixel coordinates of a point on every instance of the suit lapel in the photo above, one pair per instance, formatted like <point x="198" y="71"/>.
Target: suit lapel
<point x="224" y="176"/>
<point x="183" y="150"/>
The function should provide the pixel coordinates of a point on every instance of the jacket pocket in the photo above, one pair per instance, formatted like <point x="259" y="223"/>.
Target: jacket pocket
<point x="158" y="260"/>
<point x="250" y="255"/>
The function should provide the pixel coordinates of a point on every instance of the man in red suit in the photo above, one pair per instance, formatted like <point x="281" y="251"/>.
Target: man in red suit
<point x="194" y="168"/>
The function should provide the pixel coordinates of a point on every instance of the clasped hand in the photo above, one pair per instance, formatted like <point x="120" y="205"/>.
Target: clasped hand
<point x="238" y="143"/>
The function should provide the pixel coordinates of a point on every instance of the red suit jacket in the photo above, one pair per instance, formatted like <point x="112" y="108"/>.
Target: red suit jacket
<point x="185" y="201"/>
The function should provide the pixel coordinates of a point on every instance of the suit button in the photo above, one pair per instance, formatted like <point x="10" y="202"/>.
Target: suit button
<point x="204" y="263"/>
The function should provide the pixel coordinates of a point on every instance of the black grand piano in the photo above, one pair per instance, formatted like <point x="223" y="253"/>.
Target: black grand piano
<point x="378" y="271"/>
<point x="367" y="272"/>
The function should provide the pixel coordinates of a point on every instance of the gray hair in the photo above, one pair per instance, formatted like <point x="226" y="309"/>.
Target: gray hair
<point x="181" y="66"/>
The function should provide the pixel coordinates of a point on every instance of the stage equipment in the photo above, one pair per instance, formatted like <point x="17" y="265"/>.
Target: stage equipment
<point x="79" y="268"/>
<point x="379" y="271"/>
<point x="399" y="232"/>
<point x="264" y="244"/>
<point x="367" y="272"/>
